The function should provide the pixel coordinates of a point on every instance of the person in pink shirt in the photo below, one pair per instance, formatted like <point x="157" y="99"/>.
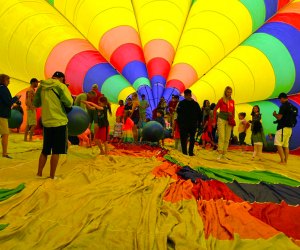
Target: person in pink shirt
<point x="226" y="114"/>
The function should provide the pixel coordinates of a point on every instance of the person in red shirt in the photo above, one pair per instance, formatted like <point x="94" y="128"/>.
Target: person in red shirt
<point x="227" y="109"/>
<point x="120" y="110"/>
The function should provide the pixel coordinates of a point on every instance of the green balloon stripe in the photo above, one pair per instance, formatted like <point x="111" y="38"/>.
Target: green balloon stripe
<point x="280" y="59"/>
<point x="140" y="82"/>
<point x="257" y="10"/>
<point x="112" y="87"/>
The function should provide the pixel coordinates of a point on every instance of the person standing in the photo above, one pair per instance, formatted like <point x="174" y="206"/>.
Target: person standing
<point x="6" y="101"/>
<point x="227" y="109"/>
<point x="52" y="95"/>
<point x="31" y="110"/>
<point x="284" y="128"/>
<point x="143" y="106"/>
<point x="188" y="117"/>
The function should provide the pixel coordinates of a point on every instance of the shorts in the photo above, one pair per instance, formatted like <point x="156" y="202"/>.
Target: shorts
<point x="282" y="137"/>
<point x="102" y="134"/>
<point x="4" y="130"/>
<point x="55" y="140"/>
<point x="242" y="137"/>
<point x="31" y="118"/>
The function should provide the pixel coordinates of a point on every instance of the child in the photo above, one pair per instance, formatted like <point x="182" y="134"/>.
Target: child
<point x="207" y="132"/>
<point x="127" y="135"/>
<point x="258" y="139"/>
<point x="102" y="131"/>
<point x="176" y="133"/>
<point x="117" y="135"/>
<point x="120" y="110"/>
<point x="242" y="129"/>
<point x="160" y="119"/>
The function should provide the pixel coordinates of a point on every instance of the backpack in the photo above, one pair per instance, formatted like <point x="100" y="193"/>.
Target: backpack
<point x="291" y="118"/>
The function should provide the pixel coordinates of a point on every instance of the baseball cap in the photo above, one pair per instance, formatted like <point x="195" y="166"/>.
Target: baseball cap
<point x="95" y="86"/>
<point x="58" y="74"/>
<point x="282" y="95"/>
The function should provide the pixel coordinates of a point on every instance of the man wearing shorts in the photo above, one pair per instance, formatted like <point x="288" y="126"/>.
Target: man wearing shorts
<point x="52" y="95"/>
<point x="31" y="110"/>
<point x="284" y="130"/>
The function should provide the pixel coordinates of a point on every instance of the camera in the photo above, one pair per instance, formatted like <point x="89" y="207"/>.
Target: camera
<point x="18" y="102"/>
<point x="275" y="122"/>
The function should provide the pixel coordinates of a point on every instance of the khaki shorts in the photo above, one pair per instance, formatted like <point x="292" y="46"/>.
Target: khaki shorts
<point x="282" y="137"/>
<point x="31" y="117"/>
<point x="4" y="130"/>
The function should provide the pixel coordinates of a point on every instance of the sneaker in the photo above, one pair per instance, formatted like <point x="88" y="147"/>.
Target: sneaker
<point x="219" y="157"/>
<point x="225" y="158"/>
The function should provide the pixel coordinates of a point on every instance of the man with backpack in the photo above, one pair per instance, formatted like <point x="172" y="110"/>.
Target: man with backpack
<point x="286" y="119"/>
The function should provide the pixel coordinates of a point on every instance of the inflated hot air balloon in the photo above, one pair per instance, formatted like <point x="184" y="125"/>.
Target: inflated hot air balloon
<point x="159" y="48"/>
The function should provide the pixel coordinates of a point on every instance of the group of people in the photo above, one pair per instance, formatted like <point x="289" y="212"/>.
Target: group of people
<point x="53" y="95"/>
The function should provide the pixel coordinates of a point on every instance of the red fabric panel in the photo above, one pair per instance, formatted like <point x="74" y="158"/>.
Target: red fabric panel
<point x="158" y="66"/>
<point x="213" y="189"/>
<point x="77" y="68"/>
<point x="281" y="3"/>
<point x="176" y="84"/>
<point x="125" y="54"/>
<point x="288" y="18"/>
<point x="282" y="217"/>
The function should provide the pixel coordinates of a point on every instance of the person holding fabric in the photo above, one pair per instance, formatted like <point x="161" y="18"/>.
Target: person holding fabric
<point x="135" y="115"/>
<point x="225" y="116"/>
<point x="6" y="101"/>
<point x="52" y="95"/>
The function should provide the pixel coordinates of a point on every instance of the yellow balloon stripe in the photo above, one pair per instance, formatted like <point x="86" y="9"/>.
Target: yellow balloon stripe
<point x="163" y="19"/>
<point x="246" y="69"/>
<point x="212" y="30"/>
<point x="95" y="18"/>
<point x="27" y="24"/>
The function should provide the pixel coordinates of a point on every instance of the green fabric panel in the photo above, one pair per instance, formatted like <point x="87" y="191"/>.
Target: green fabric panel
<point x="2" y="226"/>
<point x="7" y="193"/>
<point x="173" y="160"/>
<point x="51" y="2"/>
<point x="257" y="10"/>
<point x="252" y="177"/>
<point x="140" y="82"/>
<point x="112" y="87"/>
<point x="194" y="1"/>
<point x="280" y="59"/>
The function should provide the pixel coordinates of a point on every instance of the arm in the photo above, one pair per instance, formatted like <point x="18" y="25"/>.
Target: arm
<point x="65" y="95"/>
<point x="6" y="97"/>
<point x="37" y="101"/>
<point x="93" y="105"/>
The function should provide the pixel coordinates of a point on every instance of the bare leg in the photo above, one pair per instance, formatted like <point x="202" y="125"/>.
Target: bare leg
<point x="286" y="153"/>
<point x="53" y="164"/>
<point x="4" y="144"/>
<point x="259" y="151"/>
<point x="135" y="133"/>
<point x="26" y="133"/>
<point x="31" y="132"/>
<point x="98" y="142"/>
<point x="281" y="154"/>
<point x="105" y="148"/>
<point x="42" y="162"/>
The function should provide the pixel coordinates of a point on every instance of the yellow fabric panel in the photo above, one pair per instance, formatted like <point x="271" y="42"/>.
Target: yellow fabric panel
<point x="125" y="93"/>
<point x="15" y="86"/>
<point x="232" y="9"/>
<point x="261" y="70"/>
<point x="211" y="86"/>
<point x="198" y="52"/>
<point x="27" y="24"/>
<point x="95" y="18"/>
<point x="154" y="23"/>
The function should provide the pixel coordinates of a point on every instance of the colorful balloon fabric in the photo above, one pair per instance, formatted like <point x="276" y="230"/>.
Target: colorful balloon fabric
<point x="158" y="48"/>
